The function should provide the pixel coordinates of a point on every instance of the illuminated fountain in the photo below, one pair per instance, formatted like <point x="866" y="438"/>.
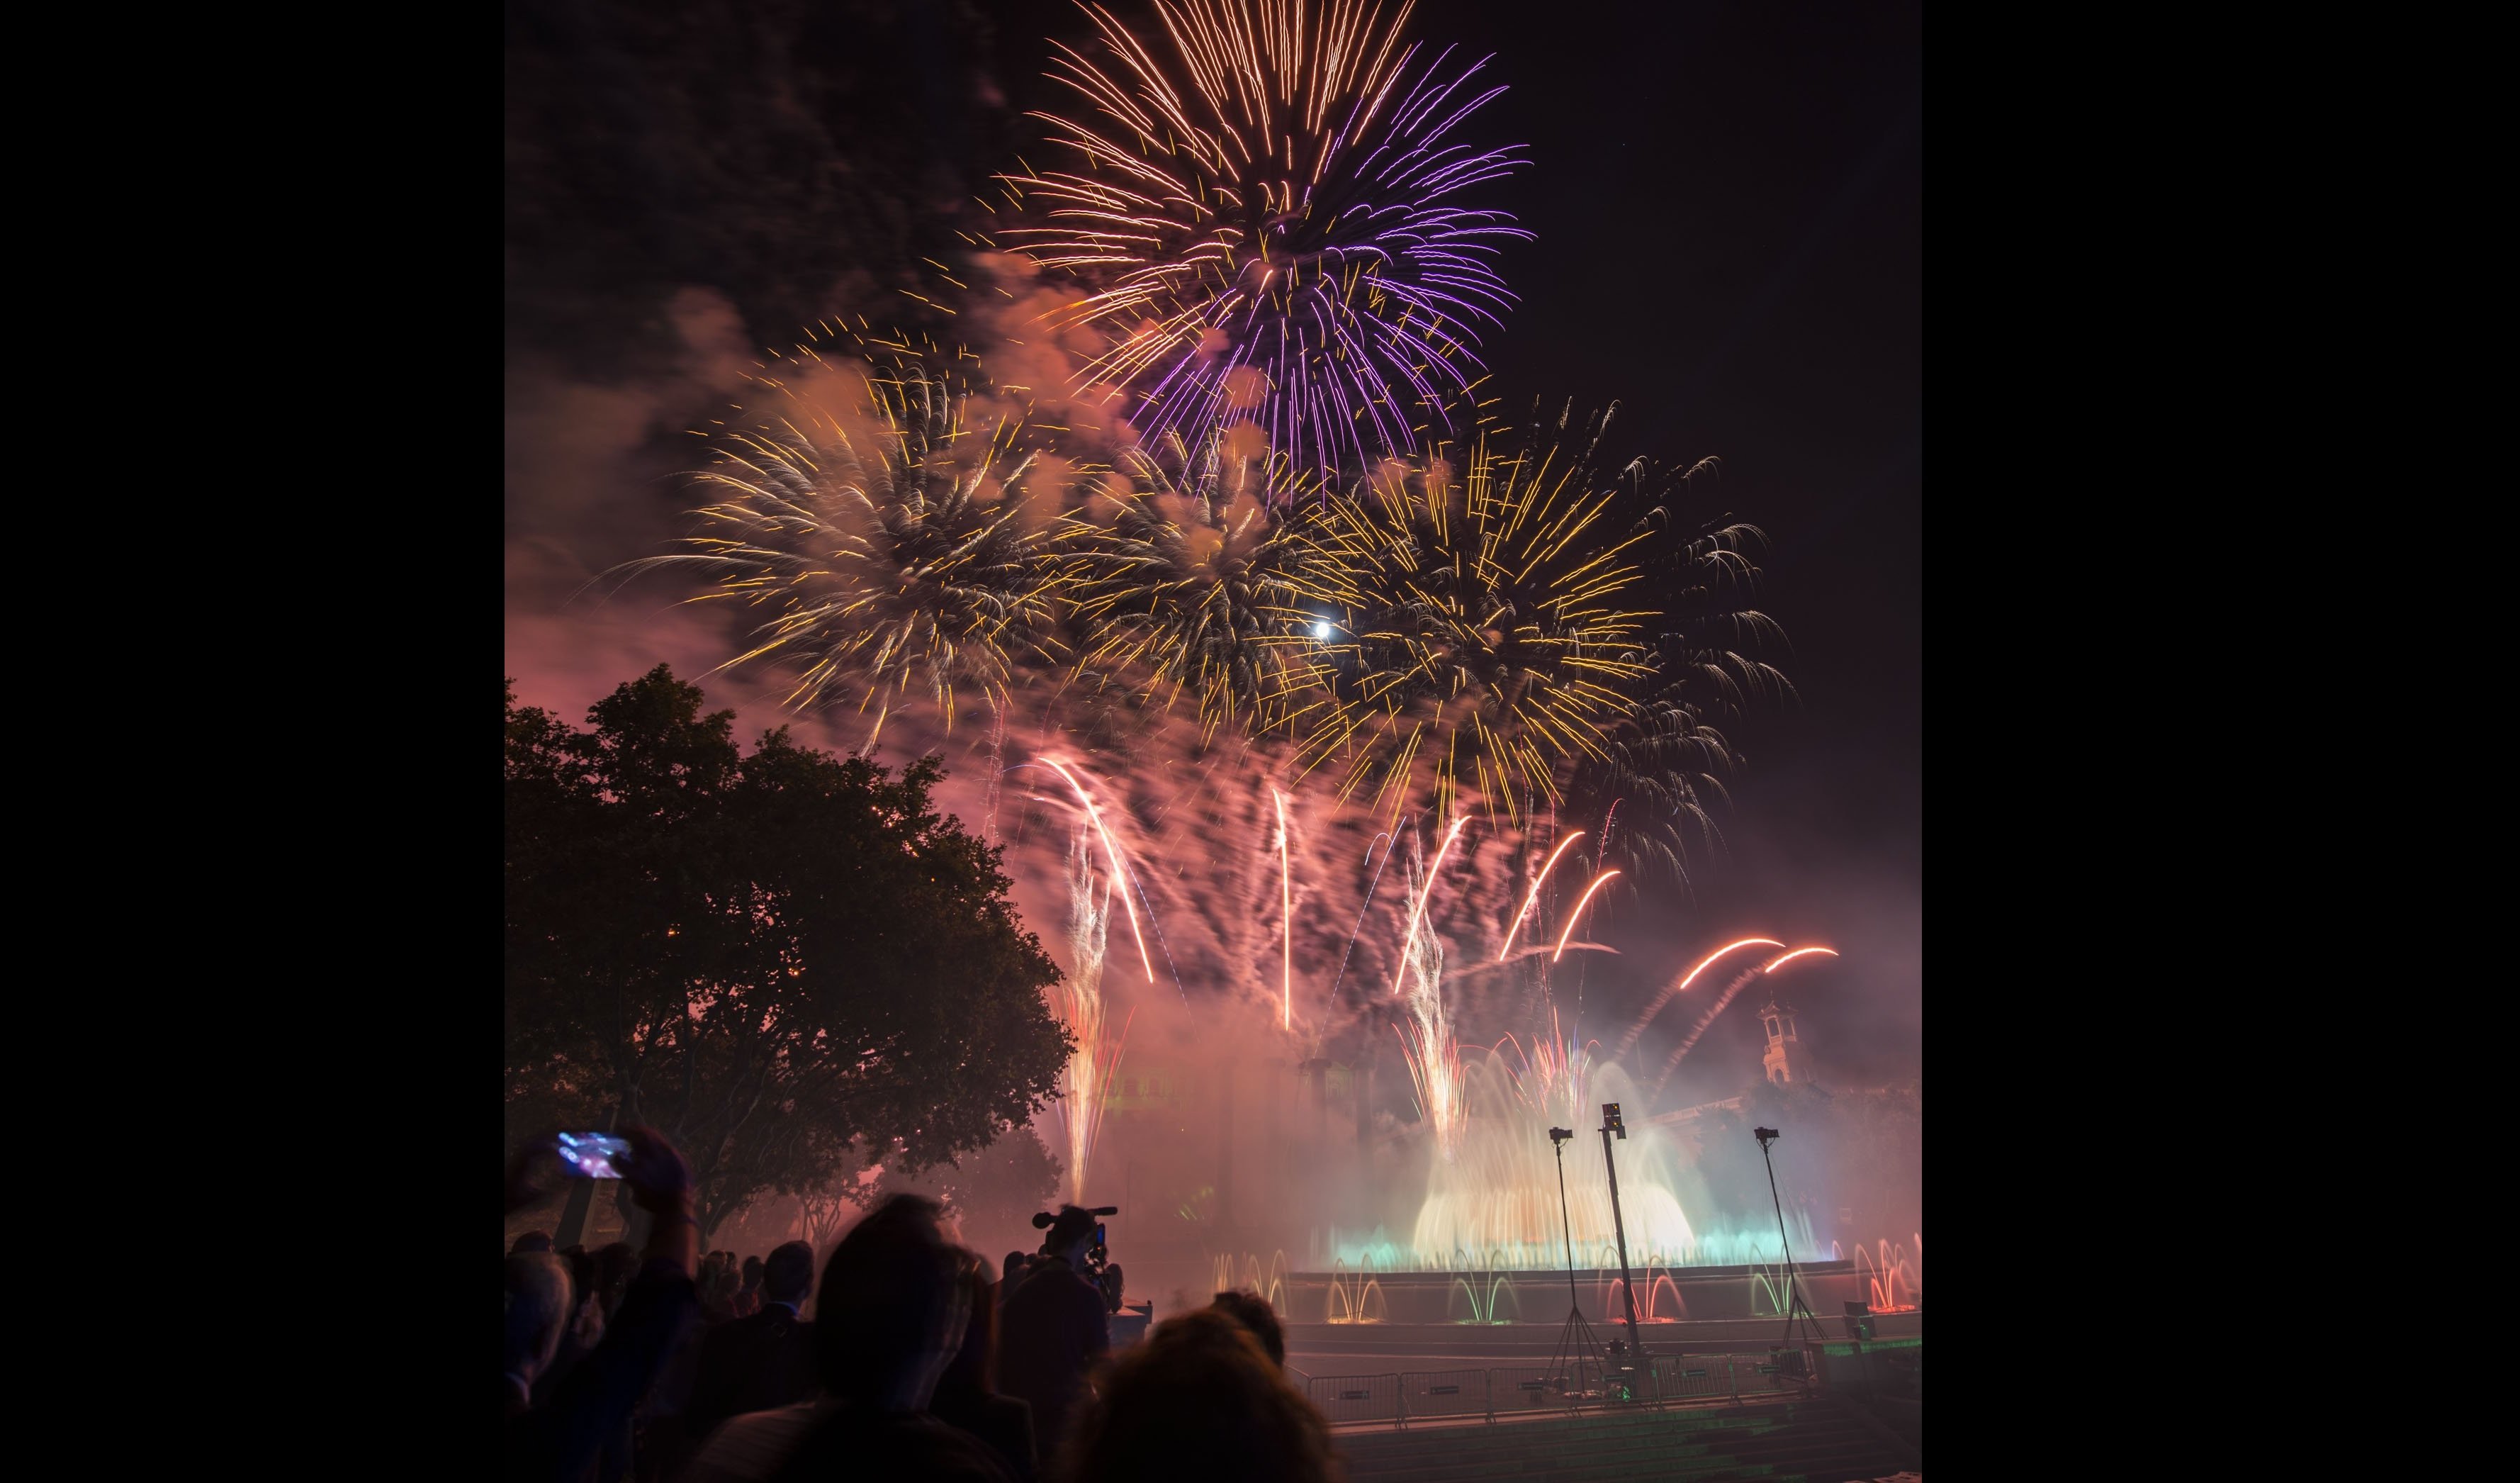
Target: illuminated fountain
<point x="1483" y="1297"/>
<point x="1651" y="1309"/>
<point x="1269" y="1283"/>
<point x="1892" y="1275"/>
<point x="1496" y="1196"/>
<point x="1355" y="1298"/>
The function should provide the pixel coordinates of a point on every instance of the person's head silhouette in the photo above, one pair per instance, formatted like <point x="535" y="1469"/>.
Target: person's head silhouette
<point x="890" y="1313"/>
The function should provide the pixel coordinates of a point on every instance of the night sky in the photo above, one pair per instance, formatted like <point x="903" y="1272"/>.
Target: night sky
<point x="1728" y="208"/>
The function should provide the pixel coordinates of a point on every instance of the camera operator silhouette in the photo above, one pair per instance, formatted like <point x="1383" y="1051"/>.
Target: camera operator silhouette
<point x="1056" y="1326"/>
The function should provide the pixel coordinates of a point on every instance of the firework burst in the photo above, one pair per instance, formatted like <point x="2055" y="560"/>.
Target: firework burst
<point x="1268" y="218"/>
<point x="900" y="532"/>
<point x="1484" y="637"/>
<point x="1187" y="584"/>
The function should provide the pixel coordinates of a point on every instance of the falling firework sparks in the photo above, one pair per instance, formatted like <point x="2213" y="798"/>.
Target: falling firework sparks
<point x="1662" y="756"/>
<point x="1555" y="1072"/>
<point x="1268" y="218"/>
<point x="1363" y="907"/>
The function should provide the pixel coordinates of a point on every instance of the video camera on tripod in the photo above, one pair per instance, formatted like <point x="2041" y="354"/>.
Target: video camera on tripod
<point x="1100" y="1252"/>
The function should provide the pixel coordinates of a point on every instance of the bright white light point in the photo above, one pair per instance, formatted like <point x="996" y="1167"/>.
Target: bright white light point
<point x="1320" y="630"/>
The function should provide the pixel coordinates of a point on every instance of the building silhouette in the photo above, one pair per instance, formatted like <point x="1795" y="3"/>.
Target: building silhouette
<point x="1785" y="1062"/>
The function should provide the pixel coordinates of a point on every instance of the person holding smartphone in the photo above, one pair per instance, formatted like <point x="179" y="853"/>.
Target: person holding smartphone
<point x="557" y="1441"/>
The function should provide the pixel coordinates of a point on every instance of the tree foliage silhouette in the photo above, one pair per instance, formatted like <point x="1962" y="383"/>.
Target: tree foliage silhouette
<point x="779" y="960"/>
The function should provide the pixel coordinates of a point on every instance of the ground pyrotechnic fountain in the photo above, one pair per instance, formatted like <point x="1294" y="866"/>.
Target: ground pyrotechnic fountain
<point x="1085" y="1084"/>
<point x="1426" y="1041"/>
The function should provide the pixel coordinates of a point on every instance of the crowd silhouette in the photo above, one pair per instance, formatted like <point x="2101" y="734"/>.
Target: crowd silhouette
<point x="922" y="1361"/>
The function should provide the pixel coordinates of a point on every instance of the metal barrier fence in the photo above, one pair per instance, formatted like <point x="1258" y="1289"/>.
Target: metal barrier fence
<point x="1446" y="1393"/>
<point x="1539" y="1387"/>
<point x="1753" y="1375"/>
<point x="1358" y="1397"/>
<point x="1891" y="1368"/>
<point x="1689" y="1378"/>
<point x="1576" y="1384"/>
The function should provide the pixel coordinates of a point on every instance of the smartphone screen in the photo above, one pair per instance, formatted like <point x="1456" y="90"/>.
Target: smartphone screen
<point x="593" y="1155"/>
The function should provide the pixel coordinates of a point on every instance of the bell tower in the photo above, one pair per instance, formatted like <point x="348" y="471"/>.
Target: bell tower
<point x="1786" y="1060"/>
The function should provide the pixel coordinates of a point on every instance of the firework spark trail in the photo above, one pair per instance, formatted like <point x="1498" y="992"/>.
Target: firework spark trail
<point x="1265" y="221"/>
<point x="1732" y="988"/>
<point x="1577" y="916"/>
<point x="1427" y="1042"/>
<point x="1362" y="907"/>
<point x="1287" y="905"/>
<point x="1435" y="1060"/>
<point x="1084" y="1081"/>
<point x="1418" y="910"/>
<point x="997" y="774"/>
<point x="1529" y="951"/>
<point x="1533" y="897"/>
<point x="1681" y="985"/>
<point x="1111" y="849"/>
<point x="1797" y="953"/>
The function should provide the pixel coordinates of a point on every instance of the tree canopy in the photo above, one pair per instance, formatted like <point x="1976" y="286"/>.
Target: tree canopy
<point x="779" y="960"/>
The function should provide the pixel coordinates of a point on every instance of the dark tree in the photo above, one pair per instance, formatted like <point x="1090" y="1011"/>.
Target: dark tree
<point x="776" y="960"/>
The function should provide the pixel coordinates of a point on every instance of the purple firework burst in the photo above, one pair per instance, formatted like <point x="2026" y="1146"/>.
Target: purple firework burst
<point x="1270" y="225"/>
